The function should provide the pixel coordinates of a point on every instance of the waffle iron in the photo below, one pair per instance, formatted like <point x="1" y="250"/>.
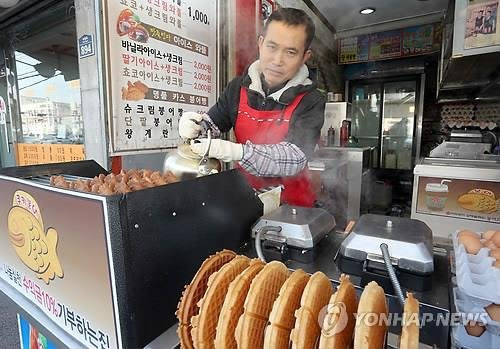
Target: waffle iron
<point x="409" y="243"/>
<point x="292" y="232"/>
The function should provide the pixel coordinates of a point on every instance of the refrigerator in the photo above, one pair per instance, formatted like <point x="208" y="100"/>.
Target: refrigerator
<point x="386" y="116"/>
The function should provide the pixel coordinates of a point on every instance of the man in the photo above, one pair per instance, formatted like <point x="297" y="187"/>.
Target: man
<point x="274" y="108"/>
<point x="479" y="23"/>
<point x="489" y="23"/>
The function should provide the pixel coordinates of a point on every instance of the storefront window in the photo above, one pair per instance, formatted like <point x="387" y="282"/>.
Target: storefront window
<point x="49" y="120"/>
<point x="50" y="104"/>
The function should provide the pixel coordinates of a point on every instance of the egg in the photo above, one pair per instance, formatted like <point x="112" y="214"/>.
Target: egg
<point x="475" y="328"/>
<point x="467" y="232"/>
<point x="495" y="254"/>
<point x="490" y="244"/>
<point x="471" y="244"/>
<point x="496" y="238"/>
<point x="493" y="311"/>
<point x="487" y="235"/>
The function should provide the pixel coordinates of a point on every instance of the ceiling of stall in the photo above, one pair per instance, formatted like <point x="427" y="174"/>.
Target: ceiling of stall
<point x="344" y="15"/>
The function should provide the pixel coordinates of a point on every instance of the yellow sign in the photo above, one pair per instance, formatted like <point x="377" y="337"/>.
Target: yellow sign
<point x="35" y="247"/>
<point x="35" y="154"/>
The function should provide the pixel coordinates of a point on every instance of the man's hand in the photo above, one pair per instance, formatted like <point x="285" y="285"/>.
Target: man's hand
<point x="190" y="125"/>
<point x="219" y="149"/>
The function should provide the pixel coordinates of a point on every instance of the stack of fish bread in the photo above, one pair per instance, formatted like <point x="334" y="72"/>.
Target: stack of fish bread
<point x="237" y="302"/>
<point x="111" y="184"/>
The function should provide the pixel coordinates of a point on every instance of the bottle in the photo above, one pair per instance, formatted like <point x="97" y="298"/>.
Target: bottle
<point x="390" y="159"/>
<point x="344" y="133"/>
<point x="330" y="139"/>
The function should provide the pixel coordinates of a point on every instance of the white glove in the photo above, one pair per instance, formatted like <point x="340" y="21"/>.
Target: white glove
<point x="189" y="125"/>
<point x="219" y="149"/>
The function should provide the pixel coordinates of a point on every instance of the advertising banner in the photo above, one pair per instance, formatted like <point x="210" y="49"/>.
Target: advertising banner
<point x="459" y="198"/>
<point x="57" y="263"/>
<point x="406" y="42"/>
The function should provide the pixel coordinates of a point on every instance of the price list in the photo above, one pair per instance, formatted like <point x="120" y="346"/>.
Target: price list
<point x="161" y="62"/>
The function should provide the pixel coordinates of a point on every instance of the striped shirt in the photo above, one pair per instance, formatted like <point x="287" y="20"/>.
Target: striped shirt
<point x="283" y="159"/>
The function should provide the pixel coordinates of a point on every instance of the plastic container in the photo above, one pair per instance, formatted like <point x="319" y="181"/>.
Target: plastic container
<point x="476" y="307"/>
<point x="471" y="309"/>
<point x="390" y="159"/>
<point x="271" y="199"/>
<point x="475" y="274"/>
<point x="463" y="340"/>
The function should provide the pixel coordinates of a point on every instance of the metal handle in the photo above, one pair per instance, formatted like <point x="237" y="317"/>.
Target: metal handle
<point x="392" y="274"/>
<point x="258" y="239"/>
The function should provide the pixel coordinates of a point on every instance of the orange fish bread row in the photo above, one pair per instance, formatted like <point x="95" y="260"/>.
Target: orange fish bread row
<point x="237" y="302"/>
<point x="124" y="182"/>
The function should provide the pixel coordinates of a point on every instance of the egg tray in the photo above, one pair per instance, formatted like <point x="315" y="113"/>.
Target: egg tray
<point x="476" y="276"/>
<point x="475" y="307"/>
<point x="461" y="339"/>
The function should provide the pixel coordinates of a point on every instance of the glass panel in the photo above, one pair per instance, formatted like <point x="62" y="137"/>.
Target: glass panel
<point x="365" y="120"/>
<point x="49" y="99"/>
<point x="50" y="124"/>
<point x="398" y="124"/>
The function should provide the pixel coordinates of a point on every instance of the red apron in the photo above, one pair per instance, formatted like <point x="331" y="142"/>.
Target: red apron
<point x="271" y="127"/>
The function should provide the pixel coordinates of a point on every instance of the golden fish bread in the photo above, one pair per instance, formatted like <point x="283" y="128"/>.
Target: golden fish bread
<point x="233" y="305"/>
<point x="371" y="322"/>
<point x="35" y="247"/>
<point x="263" y="292"/>
<point x="316" y="294"/>
<point x="479" y="200"/>
<point x="338" y="325"/>
<point x="282" y="317"/>
<point x="410" y="330"/>
<point x="205" y="323"/>
<point x="193" y="292"/>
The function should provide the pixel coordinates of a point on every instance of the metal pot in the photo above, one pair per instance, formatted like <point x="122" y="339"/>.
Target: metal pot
<point x="185" y="164"/>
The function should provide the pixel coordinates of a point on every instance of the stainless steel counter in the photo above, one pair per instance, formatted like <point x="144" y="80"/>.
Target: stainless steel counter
<point x="345" y="180"/>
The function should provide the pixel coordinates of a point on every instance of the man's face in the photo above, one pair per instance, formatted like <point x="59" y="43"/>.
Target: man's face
<point x="282" y="52"/>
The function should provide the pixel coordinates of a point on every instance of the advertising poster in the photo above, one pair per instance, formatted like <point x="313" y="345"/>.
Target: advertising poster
<point x="349" y="50"/>
<point x="412" y="41"/>
<point x="385" y="45"/>
<point x="60" y="266"/>
<point x="161" y="62"/>
<point x="31" y="337"/>
<point x="363" y="47"/>
<point x="459" y="198"/>
<point x="420" y="40"/>
<point x="481" y="27"/>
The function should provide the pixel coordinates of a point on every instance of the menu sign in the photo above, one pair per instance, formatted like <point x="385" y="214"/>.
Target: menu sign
<point x="161" y="57"/>
<point x="459" y="198"/>
<point x="390" y="44"/>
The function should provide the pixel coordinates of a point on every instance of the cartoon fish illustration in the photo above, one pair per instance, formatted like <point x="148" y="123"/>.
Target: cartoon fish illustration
<point x="36" y="248"/>
<point x="479" y="200"/>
